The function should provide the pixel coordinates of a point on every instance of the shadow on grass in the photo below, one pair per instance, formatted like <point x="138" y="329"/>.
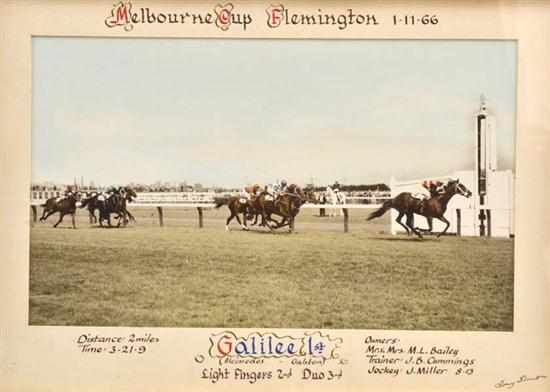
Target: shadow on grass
<point x="259" y="230"/>
<point x="110" y="227"/>
<point x="63" y="227"/>
<point x="406" y="239"/>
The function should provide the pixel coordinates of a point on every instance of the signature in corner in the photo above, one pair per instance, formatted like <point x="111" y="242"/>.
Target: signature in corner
<point x="522" y="379"/>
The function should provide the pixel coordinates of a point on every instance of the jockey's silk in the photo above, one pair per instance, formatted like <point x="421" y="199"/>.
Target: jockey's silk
<point x="252" y="189"/>
<point x="428" y="184"/>
<point x="60" y="198"/>
<point x="244" y="195"/>
<point x="433" y="187"/>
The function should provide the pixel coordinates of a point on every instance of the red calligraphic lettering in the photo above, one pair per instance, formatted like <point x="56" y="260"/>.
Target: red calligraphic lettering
<point x="225" y="345"/>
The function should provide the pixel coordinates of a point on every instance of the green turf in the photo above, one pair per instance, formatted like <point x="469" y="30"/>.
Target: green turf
<point x="318" y="277"/>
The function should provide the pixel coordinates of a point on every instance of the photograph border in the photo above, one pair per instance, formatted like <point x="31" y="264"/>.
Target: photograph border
<point x="37" y="358"/>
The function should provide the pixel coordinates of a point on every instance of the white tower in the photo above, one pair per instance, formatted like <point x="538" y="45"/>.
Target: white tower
<point x="486" y="162"/>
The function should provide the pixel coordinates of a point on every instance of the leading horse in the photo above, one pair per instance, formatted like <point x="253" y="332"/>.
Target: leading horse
<point x="434" y="207"/>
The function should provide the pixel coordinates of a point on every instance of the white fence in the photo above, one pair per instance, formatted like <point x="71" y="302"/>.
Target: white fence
<point x="175" y="198"/>
<point x="179" y="198"/>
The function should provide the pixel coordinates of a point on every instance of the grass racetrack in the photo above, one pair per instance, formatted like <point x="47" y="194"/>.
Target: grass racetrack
<point x="319" y="277"/>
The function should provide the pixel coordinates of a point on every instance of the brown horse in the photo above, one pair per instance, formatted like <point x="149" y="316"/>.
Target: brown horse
<point x="65" y="206"/>
<point x="434" y="207"/>
<point x="287" y="205"/>
<point x="236" y="207"/>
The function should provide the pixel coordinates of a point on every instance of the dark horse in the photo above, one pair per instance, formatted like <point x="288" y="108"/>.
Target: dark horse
<point x="434" y="207"/>
<point x="287" y="205"/>
<point x="65" y="206"/>
<point x="91" y="203"/>
<point x="116" y="204"/>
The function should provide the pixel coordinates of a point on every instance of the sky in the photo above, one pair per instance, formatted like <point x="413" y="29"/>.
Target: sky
<point x="234" y="112"/>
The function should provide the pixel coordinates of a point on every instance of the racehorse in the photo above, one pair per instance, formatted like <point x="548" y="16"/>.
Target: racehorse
<point x="66" y="205"/>
<point x="434" y="207"/>
<point x="434" y="189"/>
<point x="236" y="207"/>
<point x="286" y="205"/>
<point x="91" y="202"/>
<point x="116" y="204"/>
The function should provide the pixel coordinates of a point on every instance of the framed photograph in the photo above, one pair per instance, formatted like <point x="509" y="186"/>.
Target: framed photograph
<point x="282" y="196"/>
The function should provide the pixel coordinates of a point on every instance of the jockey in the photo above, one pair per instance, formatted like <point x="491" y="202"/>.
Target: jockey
<point x="68" y="193"/>
<point x="279" y="187"/>
<point x="110" y="192"/>
<point x="249" y="192"/>
<point x="336" y="187"/>
<point x="434" y="187"/>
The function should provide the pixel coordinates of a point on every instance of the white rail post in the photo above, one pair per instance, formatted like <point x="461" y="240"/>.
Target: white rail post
<point x="393" y="223"/>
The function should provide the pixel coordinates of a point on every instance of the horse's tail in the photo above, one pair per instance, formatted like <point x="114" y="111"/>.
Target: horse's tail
<point x="381" y="211"/>
<point x="220" y="201"/>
